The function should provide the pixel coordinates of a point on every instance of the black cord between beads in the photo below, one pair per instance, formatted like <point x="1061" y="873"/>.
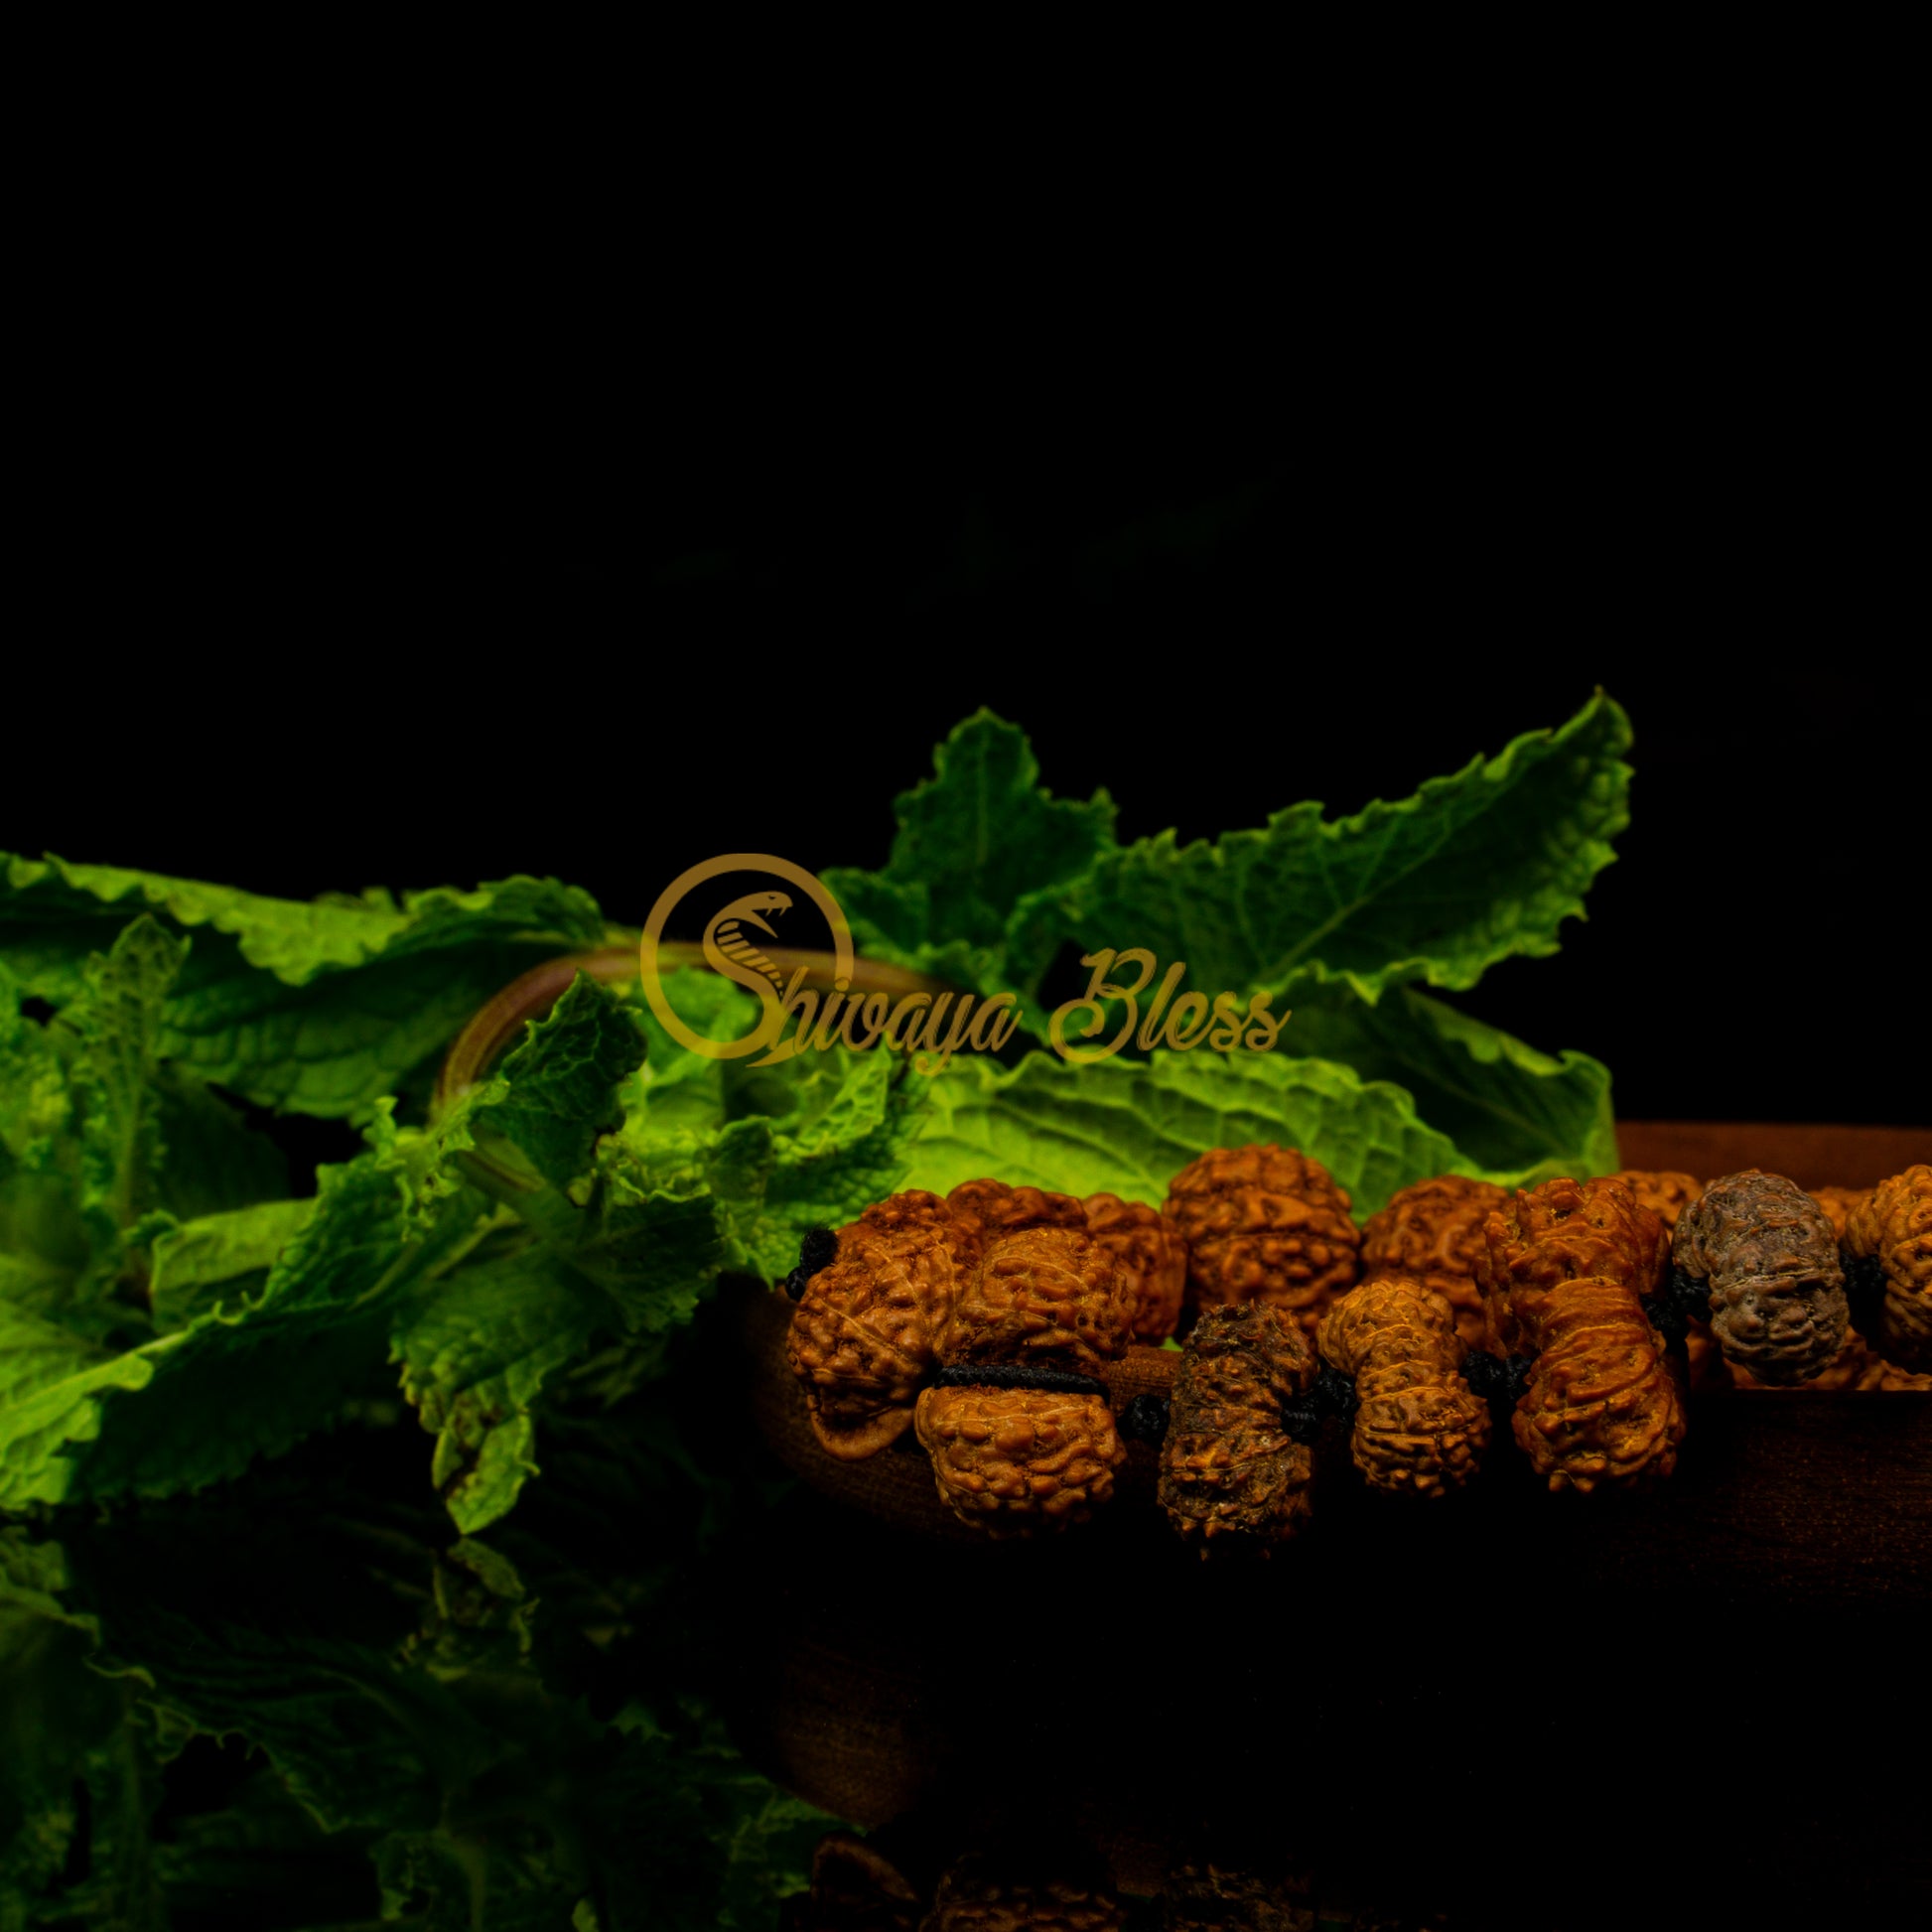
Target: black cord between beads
<point x="819" y="1249"/>
<point x="1864" y="1291"/>
<point x="1332" y="1394"/>
<point x="1145" y="1418"/>
<point x="1682" y="1299"/>
<point x="1498" y="1380"/>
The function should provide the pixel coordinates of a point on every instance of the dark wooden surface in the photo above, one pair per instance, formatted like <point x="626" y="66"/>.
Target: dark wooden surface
<point x="1812" y="1154"/>
<point x="1820" y="1493"/>
<point x="1825" y="1495"/>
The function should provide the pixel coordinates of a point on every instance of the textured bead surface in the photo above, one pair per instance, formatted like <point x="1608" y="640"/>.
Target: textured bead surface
<point x="1417" y="1428"/>
<point x="1858" y="1366"/>
<point x="1771" y="1256"/>
<point x="1563" y="1273"/>
<point x="1565" y="1231"/>
<point x="1432" y="1232"/>
<point x="1264" y="1225"/>
<point x="1209" y="1898"/>
<point x="1014" y="1460"/>
<point x="1840" y="1203"/>
<point x="1665" y="1193"/>
<point x="1045" y="1293"/>
<point x="1895" y="1225"/>
<point x="1228" y="1468"/>
<point x="991" y="1207"/>
<point x="1151" y="1256"/>
<point x="974" y="1896"/>
<point x="1601" y="1405"/>
<point x="868" y="1326"/>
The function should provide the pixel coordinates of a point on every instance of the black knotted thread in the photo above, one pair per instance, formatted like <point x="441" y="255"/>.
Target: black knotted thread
<point x="1682" y="1299"/>
<point x="1332" y="1394"/>
<point x="1145" y="1418"/>
<point x="1864" y="1291"/>
<point x="1498" y="1380"/>
<point x="819" y="1249"/>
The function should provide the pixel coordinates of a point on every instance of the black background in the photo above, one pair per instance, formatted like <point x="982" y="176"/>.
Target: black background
<point x="369" y="652"/>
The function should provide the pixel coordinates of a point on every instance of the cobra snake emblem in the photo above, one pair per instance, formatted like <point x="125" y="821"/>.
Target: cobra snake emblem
<point x="730" y="950"/>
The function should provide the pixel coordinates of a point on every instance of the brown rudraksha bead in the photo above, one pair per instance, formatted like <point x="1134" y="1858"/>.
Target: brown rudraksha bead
<point x="1895" y="1227"/>
<point x="991" y="1207"/>
<point x="1264" y="1225"/>
<point x="1601" y="1405"/>
<point x="976" y="1895"/>
<point x="1838" y="1204"/>
<point x="1565" y="1230"/>
<point x="1858" y="1366"/>
<point x="1417" y="1428"/>
<point x="1207" y="1897"/>
<point x="854" y="1889"/>
<point x="1665" y="1193"/>
<point x="1044" y="1294"/>
<point x="1151" y="1256"/>
<point x="1229" y="1467"/>
<point x="1768" y="1252"/>
<point x="1011" y="1462"/>
<point x="868" y="1328"/>
<point x="1432" y="1232"/>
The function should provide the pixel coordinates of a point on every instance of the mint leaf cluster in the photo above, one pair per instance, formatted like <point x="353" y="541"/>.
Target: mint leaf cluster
<point x="499" y="1288"/>
<point x="400" y="1723"/>
<point x="991" y="881"/>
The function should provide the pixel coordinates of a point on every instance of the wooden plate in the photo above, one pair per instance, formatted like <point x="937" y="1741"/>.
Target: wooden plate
<point x="1812" y="1490"/>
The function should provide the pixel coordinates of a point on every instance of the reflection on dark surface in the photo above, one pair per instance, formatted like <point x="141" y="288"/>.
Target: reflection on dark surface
<point x="304" y="1702"/>
<point x="1375" y="1742"/>
<point x="856" y="1887"/>
<point x="674" y="1691"/>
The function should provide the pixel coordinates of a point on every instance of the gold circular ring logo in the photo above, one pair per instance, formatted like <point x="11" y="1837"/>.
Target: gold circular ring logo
<point x="732" y="950"/>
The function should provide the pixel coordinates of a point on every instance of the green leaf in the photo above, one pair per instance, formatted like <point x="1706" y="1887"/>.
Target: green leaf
<point x="561" y="1085"/>
<point x="845" y="1153"/>
<point x="677" y="1090"/>
<point x="53" y="1386"/>
<point x="122" y="1888"/>
<point x="198" y="1406"/>
<point x="746" y="1845"/>
<point x="35" y="1108"/>
<point x="849" y="1118"/>
<point x="1128" y="1127"/>
<point x="1435" y="887"/>
<point x="117" y="1017"/>
<point x="991" y="878"/>
<point x="475" y="1350"/>
<point x="45" y="1247"/>
<point x="978" y="843"/>
<point x="56" y="1712"/>
<point x="648" y="1238"/>
<point x="212" y="1159"/>
<point x="357" y="1737"/>
<point x="219" y="1259"/>
<point x="1506" y="1106"/>
<point x="320" y="1007"/>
